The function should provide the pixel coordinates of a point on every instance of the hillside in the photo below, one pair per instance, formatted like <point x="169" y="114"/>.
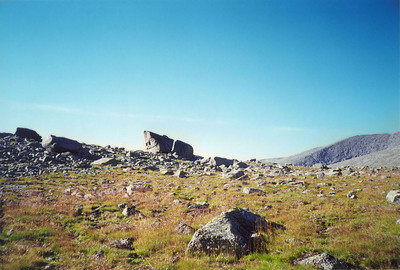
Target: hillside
<point x="385" y="158"/>
<point x="349" y="149"/>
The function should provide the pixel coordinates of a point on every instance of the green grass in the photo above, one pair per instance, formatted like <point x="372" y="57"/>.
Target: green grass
<point x="360" y="231"/>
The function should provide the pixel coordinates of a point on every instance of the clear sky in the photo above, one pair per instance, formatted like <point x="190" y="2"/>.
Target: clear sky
<point x="241" y="79"/>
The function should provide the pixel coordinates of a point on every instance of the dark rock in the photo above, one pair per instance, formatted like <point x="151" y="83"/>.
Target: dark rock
<point x="61" y="144"/>
<point x="183" y="149"/>
<point x="217" y="161"/>
<point x="156" y="143"/>
<point x="233" y="174"/>
<point x="180" y="174"/>
<point x="241" y="165"/>
<point x="78" y="211"/>
<point x="231" y="232"/>
<point x="28" y="134"/>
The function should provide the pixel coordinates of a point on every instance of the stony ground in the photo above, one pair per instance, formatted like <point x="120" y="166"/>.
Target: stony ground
<point x="61" y="211"/>
<point x="344" y="215"/>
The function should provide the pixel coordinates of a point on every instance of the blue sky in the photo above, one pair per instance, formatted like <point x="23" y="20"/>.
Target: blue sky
<point x="240" y="79"/>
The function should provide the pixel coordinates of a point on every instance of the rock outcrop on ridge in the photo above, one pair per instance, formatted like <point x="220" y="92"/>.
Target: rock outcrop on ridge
<point x="28" y="134"/>
<point x="156" y="143"/>
<point x="25" y="157"/>
<point x="367" y="150"/>
<point x="60" y="145"/>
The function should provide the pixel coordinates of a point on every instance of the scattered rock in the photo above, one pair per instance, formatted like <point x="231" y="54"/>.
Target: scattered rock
<point x="138" y="187"/>
<point x="199" y="205"/>
<point x="144" y="267"/>
<point x="105" y="162"/>
<point x="325" y="261"/>
<point x="98" y="255"/>
<point x="132" y="211"/>
<point x="10" y="232"/>
<point x="165" y="171"/>
<point x="78" y="211"/>
<point x="180" y="174"/>
<point x="352" y="195"/>
<point x="233" y="174"/>
<point x="185" y="229"/>
<point x="249" y="190"/>
<point x="123" y="243"/>
<point x="241" y="165"/>
<point x="393" y="196"/>
<point x="295" y="241"/>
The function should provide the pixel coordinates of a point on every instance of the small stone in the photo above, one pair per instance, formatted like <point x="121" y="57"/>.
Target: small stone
<point x="185" y="229"/>
<point x="166" y="172"/>
<point x="89" y="196"/>
<point x="325" y="261"/>
<point x="352" y="195"/>
<point x="78" y="211"/>
<point x="393" y="196"/>
<point x="249" y="190"/>
<point x="123" y="243"/>
<point x="10" y="232"/>
<point x="105" y="162"/>
<point x="122" y="205"/>
<point x="199" y="205"/>
<point x="98" y="255"/>
<point x="233" y="174"/>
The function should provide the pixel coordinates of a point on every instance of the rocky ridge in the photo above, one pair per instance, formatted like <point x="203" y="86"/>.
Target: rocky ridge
<point x="377" y="150"/>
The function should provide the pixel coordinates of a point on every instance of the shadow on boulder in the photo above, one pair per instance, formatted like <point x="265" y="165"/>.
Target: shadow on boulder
<point x="235" y="232"/>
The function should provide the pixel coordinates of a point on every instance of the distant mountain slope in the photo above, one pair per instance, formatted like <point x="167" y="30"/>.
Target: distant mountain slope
<point x="385" y="158"/>
<point x="346" y="149"/>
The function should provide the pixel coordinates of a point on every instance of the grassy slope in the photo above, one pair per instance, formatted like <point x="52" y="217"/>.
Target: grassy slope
<point x="361" y="231"/>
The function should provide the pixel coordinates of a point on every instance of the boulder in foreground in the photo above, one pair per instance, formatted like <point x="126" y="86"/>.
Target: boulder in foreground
<point x="61" y="144"/>
<point x="233" y="232"/>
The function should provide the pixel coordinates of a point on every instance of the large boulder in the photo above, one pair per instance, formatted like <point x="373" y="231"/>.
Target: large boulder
<point x="156" y="143"/>
<point x="183" y="149"/>
<point x="233" y="232"/>
<point x="61" y="144"/>
<point x="217" y="161"/>
<point x="28" y="134"/>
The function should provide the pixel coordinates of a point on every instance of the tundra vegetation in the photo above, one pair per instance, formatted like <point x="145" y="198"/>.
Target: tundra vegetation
<point x="72" y="221"/>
